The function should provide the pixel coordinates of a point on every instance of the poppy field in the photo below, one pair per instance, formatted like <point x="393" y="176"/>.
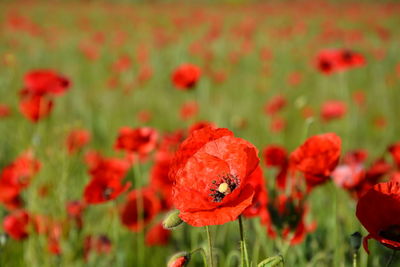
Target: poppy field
<point x="204" y="134"/>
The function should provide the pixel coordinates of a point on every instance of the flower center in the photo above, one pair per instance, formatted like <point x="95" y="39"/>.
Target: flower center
<point x="392" y="233"/>
<point x="107" y="193"/>
<point x="225" y="186"/>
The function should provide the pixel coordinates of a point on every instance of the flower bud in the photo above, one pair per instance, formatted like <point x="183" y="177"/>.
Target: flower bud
<point x="180" y="259"/>
<point x="172" y="220"/>
<point x="275" y="261"/>
<point x="355" y="240"/>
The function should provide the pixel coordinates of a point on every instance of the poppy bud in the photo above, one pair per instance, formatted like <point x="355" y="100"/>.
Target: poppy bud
<point x="180" y="259"/>
<point x="355" y="241"/>
<point x="275" y="261"/>
<point x="172" y="220"/>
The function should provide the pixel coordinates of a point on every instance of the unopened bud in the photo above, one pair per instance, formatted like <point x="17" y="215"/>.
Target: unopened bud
<point x="275" y="261"/>
<point x="355" y="240"/>
<point x="172" y="220"/>
<point x="180" y="259"/>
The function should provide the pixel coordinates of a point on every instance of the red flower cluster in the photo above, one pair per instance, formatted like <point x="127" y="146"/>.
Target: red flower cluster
<point x="36" y="97"/>
<point x="211" y="172"/>
<point x="186" y="76"/>
<point x="16" y="177"/>
<point x="334" y="60"/>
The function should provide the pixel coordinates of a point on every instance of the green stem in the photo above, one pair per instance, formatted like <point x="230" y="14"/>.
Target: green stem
<point x="392" y="256"/>
<point x="355" y="259"/>
<point x="210" y="254"/>
<point x="243" y="247"/>
<point x="203" y="254"/>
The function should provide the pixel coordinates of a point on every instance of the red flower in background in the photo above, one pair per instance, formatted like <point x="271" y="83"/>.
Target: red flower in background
<point x="378" y="211"/>
<point x="317" y="157"/>
<point x="157" y="236"/>
<point x="135" y="217"/>
<point x="103" y="189"/>
<point x="43" y="82"/>
<point x="106" y="168"/>
<point x="275" y="104"/>
<point x="5" y="111"/>
<point x="189" y="109"/>
<point x="333" y="110"/>
<point x="333" y="60"/>
<point x="16" y="224"/>
<point x="186" y="76"/>
<point x="76" y="140"/>
<point x="211" y="170"/>
<point x="16" y="177"/>
<point x="276" y="156"/>
<point x="35" y="107"/>
<point x="139" y="140"/>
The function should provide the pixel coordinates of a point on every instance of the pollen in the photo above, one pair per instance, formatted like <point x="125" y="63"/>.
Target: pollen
<point x="226" y="184"/>
<point x="224" y="188"/>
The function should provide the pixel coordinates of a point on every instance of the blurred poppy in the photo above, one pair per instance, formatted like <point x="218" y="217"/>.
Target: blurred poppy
<point x="139" y="140"/>
<point x="5" y="111"/>
<point x="378" y="212"/>
<point x="76" y="139"/>
<point x="16" y="224"/>
<point x="317" y="157"/>
<point x="189" y="109"/>
<point x="106" y="168"/>
<point x="100" y="244"/>
<point x="333" y="110"/>
<point x="210" y="171"/>
<point x="395" y="152"/>
<point x="42" y="82"/>
<point x="186" y="76"/>
<point x="140" y="208"/>
<point x="260" y="198"/>
<point x="275" y="104"/>
<point x="157" y="236"/>
<point x="35" y="107"/>
<point x="103" y="189"/>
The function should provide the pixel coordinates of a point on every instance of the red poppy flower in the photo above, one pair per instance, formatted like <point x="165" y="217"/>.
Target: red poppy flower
<point x="5" y="111"/>
<point x="333" y="60"/>
<point x="333" y="110"/>
<point x="210" y="171"/>
<point x="199" y="125"/>
<point x="35" y="107"/>
<point x="16" y="177"/>
<point x="275" y="155"/>
<point x="106" y="168"/>
<point x="76" y="140"/>
<point x="186" y="76"/>
<point x="378" y="211"/>
<point x="103" y="189"/>
<point x="41" y="82"/>
<point x="16" y="224"/>
<point x="275" y="104"/>
<point x="157" y="236"/>
<point x="140" y="140"/>
<point x="317" y="157"/>
<point x="131" y="216"/>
